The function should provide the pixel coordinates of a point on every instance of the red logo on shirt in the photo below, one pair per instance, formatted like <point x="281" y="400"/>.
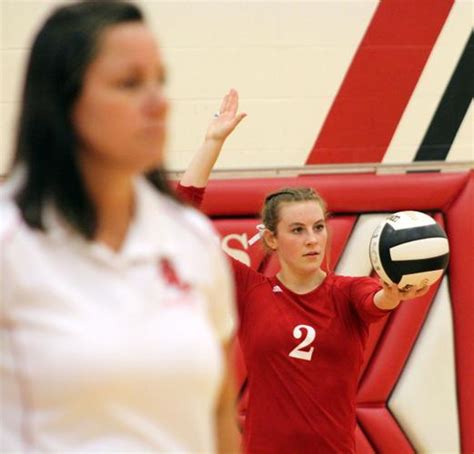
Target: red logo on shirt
<point x="168" y="271"/>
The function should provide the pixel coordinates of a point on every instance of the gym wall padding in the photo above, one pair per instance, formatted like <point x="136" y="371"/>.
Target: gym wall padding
<point x="357" y="202"/>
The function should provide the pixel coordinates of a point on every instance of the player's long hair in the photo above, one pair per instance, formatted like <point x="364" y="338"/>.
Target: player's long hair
<point x="47" y="143"/>
<point x="271" y="210"/>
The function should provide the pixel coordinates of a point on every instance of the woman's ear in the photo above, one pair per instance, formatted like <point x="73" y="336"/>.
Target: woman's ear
<point x="270" y="239"/>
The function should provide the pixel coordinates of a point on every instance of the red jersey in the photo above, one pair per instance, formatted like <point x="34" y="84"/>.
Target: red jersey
<point x="303" y="355"/>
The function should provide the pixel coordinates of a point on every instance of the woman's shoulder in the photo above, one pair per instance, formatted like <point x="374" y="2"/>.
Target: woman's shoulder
<point x="199" y="224"/>
<point x="198" y="219"/>
<point x="9" y="215"/>
<point x="183" y="218"/>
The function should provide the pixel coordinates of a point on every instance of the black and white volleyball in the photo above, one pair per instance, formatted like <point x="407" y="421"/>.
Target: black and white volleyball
<point x="409" y="248"/>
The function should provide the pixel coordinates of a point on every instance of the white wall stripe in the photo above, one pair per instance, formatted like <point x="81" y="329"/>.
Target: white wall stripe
<point x="462" y="146"/>
<point x="431" y="85"/>
<point x="355" y="259"/>
<point x="424" y="399"/>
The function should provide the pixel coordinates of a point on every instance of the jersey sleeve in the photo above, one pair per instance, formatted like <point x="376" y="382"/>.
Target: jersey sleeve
<point x="191" y="194"/>
<point x="362" y="291"/>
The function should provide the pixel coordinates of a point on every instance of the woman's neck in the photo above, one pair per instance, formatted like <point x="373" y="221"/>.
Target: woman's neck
<point x="301" y="283"/>
<point x="111" y="193"/>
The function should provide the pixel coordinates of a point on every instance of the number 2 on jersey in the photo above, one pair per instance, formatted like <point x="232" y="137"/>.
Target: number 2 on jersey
<point x="298" y="351"/>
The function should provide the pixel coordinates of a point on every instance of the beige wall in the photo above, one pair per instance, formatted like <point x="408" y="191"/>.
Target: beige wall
<point x="286" y="58"/>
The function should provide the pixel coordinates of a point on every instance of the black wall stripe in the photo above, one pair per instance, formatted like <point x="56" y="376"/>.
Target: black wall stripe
<point x="451" y="109"/>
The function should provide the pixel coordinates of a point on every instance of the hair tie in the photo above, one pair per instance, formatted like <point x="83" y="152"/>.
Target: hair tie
<point x="258" y="235"/>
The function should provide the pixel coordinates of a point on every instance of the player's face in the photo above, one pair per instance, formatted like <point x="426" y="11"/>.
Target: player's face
<point x="120" y="115"/>
<point x="301" y="236"/>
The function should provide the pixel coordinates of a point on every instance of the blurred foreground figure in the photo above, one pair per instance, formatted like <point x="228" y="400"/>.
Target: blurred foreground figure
<point x="115" y="299"/>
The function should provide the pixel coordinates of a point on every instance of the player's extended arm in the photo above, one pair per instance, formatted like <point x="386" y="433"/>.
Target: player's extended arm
<point x="198" y="171"/>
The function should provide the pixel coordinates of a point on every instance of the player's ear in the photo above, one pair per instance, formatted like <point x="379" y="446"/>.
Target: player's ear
<point x="270" y="239"/>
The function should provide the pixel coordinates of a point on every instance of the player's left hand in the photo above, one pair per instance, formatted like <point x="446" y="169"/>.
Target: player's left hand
<point x="409" y="292"/>
<point x="227" y="119"/>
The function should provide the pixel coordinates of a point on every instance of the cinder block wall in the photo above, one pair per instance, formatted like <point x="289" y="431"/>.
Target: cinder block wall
<point x="288" y="60"/>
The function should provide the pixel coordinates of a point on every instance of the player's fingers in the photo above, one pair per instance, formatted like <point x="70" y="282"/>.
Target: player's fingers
<point x="238" y="119"/>
<point x="408" y="292"/>
<point x="233" y="103"/>
<point x="230" y="101"/>
<point x="223" y="103"/>
<point x="408" y="288"/>
<point x="423" y="290"/>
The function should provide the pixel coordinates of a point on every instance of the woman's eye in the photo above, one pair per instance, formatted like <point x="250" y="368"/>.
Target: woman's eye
<point x="297" y="230"/>
<point x="129" y="83"/>
<point x="320" y="227"/>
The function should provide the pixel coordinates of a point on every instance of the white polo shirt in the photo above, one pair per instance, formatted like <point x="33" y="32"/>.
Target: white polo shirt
<point x="112" y="352"/>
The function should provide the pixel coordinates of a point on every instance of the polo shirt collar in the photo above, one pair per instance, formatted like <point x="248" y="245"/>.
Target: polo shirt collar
<point x="150" y="233"/>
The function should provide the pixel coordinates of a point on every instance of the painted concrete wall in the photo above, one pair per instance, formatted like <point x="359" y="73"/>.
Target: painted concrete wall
<point x="288" y="59"/>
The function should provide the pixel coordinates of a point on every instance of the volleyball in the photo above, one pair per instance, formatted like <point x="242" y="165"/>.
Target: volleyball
<point x="409" y="248"/>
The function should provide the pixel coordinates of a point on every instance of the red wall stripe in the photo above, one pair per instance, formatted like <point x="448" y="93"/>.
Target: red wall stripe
<point x="383" y="431"/>
<point x="460" y="229"/>
<point x="380" y="81"/>
<point x="346" y="193"/>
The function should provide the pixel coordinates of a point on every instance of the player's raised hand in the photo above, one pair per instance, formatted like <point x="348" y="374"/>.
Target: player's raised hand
<point x="224" y="122"/>
<point x="227" y="119"/>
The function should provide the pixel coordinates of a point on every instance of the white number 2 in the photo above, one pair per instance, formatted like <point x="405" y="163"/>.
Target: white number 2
<point x="298" y="352"/>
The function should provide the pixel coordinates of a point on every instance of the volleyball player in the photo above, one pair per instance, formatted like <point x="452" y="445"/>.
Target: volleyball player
<point x="302" y="331"/>
<point x="115" y="300"/>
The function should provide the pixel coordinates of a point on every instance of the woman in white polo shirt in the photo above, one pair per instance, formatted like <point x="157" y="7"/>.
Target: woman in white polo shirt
<point x="115" y="300"/>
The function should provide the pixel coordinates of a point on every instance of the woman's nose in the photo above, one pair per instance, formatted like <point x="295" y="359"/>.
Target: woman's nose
<point x="311" y="237"/>
<point x="156" y="102"/>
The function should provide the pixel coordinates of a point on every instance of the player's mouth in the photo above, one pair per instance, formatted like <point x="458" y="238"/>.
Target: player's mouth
<point x="311" y="254"/>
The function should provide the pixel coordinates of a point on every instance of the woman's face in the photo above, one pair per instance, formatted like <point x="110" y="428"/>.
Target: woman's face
<point x="301" y="236"/>
<point x="120" y="115"/>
